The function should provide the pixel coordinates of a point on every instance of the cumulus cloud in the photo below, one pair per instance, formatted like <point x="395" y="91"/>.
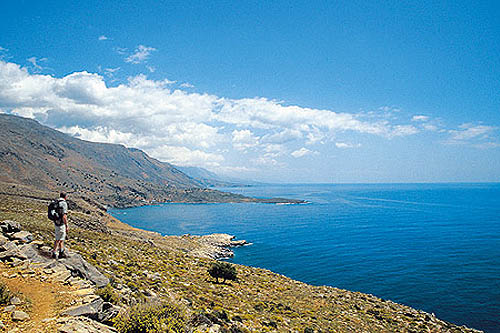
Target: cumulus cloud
<point x="102" y="37"/>
<point x="420" y="118"/>
<point x="302" y="152"/>
<point x="186" y="157"/>
<point x="186" y="85"/>
<point x="140" y="55"/>
<point x="345" y="145"/>
<point x="244" y="139"/>
<point x="175" y="125"/>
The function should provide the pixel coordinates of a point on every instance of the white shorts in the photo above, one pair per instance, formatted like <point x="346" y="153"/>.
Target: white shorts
<point x="60" y="232"/>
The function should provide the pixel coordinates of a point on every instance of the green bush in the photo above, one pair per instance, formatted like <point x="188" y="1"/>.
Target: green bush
<point x="4" y="293"/>
<point x="148" y="318"/>
<point x="108" y="294"/>
<point x="222" y="270"/>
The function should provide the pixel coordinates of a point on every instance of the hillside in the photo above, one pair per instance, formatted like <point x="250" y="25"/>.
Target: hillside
<point x="146" y="268"/>
<point x="110" y="174"/>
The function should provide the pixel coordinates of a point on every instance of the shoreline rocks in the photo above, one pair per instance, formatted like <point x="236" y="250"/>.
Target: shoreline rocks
<point x="216" y="246"/>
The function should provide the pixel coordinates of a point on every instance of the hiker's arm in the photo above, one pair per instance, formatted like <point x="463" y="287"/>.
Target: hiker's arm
<point x="65" y="221"/>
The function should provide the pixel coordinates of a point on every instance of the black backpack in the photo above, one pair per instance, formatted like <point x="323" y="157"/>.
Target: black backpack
<point x="55" y="212"/>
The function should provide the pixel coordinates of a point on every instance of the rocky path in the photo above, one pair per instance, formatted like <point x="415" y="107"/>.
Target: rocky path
<point x="48" y="295"/>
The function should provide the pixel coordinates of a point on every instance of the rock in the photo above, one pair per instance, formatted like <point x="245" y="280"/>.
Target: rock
<point x="75" y="263"/>
<point x="11" y="255"/>
<point x="89" y="310"/>
<point x="10" y="226"/>
<point x="216" y="246"/>
<point x="3" y="239"/>
<point x="23" y="236"/>
<point x="61" y="276"/>
<point x="9" y="308"/>
<point x="15" y="300"/>
<point x="84" y="325"/>
<point x="83" y="292"/>
<point x="9" y="246"/>
<point x="32" y="252"/>
<point x="214" y="329"/>
<point x="20" y="316"/>
<point x="107" y="313"/>
<point x="37" y="243"/>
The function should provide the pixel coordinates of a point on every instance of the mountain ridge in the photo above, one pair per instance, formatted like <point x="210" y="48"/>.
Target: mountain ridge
<point x="111" y="174"/>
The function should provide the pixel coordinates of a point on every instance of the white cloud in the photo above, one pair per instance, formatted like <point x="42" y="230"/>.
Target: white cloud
<point x="478" y="136"/>
<point x="266" y="161"/>
<point x="176" y="125"/>
<point x="111" y="70"/>
<point x="302" y="152"/>
<point x="469" y="131"/>
<point x="420" y="118"/>
<point x="183" y="156"/>
<point x="102" y="37"/>
<point x="186" y="85"/>
<point x="345" y="145"/>
<point x="403" y="130"/>
<point x="244" y="139"/>
<point x="36" y="63"/>
<point x="141" y="54"/>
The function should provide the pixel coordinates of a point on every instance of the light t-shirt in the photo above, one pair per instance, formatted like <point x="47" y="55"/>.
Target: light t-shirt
<point x="64" y="205"/>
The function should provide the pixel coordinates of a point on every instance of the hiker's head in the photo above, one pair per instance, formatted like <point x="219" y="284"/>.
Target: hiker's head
<point x="62" y="195"/>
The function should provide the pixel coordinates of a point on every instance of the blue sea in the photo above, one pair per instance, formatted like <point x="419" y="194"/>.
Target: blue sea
<point x="434" y="247"/>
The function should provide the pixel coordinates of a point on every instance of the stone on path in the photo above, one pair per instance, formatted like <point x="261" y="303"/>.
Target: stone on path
<point x="20" y="315"/>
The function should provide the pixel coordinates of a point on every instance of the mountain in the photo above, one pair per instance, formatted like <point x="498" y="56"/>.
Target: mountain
<point x="211" y="179"/>
<point x="207" y="178"/>
<point x="45" y="159"/>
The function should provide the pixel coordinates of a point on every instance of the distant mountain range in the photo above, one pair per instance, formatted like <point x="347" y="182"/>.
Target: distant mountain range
<point x="45" y="159"/>
<point x="211" y="179"/>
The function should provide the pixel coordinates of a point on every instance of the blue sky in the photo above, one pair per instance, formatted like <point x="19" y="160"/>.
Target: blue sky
<point x="312" y="91"/>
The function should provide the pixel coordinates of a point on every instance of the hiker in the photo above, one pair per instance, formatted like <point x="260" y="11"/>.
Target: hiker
<point x="61" y="226"/>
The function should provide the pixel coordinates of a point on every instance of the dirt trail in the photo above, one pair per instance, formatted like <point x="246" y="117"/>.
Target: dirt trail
<point x="41" y="300"/>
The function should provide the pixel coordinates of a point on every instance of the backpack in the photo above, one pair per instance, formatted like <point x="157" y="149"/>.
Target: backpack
<point x="55" y="212"/>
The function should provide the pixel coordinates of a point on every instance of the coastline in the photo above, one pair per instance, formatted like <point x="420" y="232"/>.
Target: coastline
<point x="140" y="259"/>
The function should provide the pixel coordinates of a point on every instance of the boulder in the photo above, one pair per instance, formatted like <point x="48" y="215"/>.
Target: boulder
<point x="23" y="236"/>
<point x="79" y="266"/>
<point x="8" y="226"/>
<point x="32" y="252"/>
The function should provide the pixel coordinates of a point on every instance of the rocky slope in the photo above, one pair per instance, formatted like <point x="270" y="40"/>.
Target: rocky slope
<point x="144" y="267"/>
<point x="45" y="159"/>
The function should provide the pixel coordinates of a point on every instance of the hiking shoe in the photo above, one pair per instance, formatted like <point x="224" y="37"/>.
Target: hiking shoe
<point x="62" y="255"/>
<point x="54" y="255"/>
